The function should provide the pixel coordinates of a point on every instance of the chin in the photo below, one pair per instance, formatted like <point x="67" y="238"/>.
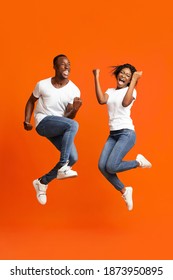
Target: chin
<point x="120" y="86"/>
<point x="65" y="77"/>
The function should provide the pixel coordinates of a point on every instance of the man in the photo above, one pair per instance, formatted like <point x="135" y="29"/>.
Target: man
<point x="58" y="101"/>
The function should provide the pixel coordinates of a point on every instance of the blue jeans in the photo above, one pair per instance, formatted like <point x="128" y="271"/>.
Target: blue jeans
<point x="61" y="132"/>
<point x="111" y="161"/>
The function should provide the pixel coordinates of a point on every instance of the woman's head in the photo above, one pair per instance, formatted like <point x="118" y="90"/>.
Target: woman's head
<point x="123" y="74"/>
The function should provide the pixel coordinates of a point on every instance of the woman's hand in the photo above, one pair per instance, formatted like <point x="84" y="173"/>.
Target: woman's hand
<point x="96" y="73"/>
<point x="101" y="97"/>
<point x="137" y="75"/>
<point x="128" y="98"/>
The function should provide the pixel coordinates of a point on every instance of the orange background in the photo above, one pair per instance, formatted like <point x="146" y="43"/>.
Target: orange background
<point x="85" y="218"/>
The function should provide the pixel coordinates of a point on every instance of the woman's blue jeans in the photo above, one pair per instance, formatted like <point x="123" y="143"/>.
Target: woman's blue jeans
<point x="111" y="161"/>
<point x="61" y="132"/>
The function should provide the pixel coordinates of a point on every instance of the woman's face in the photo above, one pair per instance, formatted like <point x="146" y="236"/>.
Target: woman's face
<point x="124" y="78"/>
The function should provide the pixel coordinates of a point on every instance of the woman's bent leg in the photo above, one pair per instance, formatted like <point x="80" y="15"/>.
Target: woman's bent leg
<point x="125" y="140"/>
<point x="112" y="178"/>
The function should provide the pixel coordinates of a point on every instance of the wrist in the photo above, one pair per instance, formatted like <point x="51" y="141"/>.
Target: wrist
<point x="133" y="82"/>
<point x="74" y="110"/>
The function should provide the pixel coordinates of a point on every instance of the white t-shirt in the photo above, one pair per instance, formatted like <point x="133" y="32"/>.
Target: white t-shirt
<point x="119" y="116"/>
<point x="53" y="101"/>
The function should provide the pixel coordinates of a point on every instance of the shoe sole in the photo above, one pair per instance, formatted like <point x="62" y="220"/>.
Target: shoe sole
<point x="132" y="200"/>
<point x="37" y="196"/>
<point x="131" y="208"/>
<point x="63" y="178"/>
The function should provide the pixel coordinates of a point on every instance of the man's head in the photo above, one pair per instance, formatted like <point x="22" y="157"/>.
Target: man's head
<point x="61" y="64"/>
<point x="56" y="58"/>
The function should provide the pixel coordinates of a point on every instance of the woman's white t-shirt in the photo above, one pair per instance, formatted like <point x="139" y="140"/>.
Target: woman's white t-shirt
<point x="119" y="116"/>
<point x="53" y="101"/>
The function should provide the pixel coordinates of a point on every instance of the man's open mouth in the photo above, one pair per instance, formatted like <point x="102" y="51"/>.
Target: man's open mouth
<point x="66" y="72"/>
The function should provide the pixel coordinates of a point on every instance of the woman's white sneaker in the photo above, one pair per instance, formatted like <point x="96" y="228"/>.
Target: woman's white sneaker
<point x="66" y="172"/>
<point x="143" y="162"/>
<point x="127" y="196"/>
<point x="40" y="191"/>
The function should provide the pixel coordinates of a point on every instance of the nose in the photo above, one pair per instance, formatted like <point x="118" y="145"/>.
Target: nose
<point x="67" y="66"/>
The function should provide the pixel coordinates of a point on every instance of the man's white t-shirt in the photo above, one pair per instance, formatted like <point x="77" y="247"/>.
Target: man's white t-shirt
<point x="119" y="116"/>
<point x="53" y="101"/>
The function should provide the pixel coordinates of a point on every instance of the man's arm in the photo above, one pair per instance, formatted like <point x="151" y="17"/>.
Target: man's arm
<point x="72" y="109"/>
<point x="28" y="112"/>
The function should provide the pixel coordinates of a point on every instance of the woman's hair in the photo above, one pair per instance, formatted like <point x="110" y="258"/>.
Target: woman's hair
<point x="117" y="69"/>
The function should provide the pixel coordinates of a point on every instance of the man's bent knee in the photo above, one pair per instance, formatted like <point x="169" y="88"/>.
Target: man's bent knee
<point x="75" y="125"/>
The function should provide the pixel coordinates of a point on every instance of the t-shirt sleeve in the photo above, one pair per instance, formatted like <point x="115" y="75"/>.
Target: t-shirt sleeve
<point x="108" y="91"/>
<point x="75" y="93"/>
<point x="36" y="91"/>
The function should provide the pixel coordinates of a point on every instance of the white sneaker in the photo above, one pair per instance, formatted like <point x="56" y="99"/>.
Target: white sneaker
<point x="40" y="191"/>
<point x="143" y="162"/>
<point x="66" y="172"/>
<point x="128" y="198"/>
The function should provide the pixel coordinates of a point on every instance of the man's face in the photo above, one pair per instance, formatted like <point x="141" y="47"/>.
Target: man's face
<point x="62" y="67"/>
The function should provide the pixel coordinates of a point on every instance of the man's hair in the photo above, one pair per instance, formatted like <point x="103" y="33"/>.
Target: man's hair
<point x="56" y="58"/>
<point x="117" y="69"/>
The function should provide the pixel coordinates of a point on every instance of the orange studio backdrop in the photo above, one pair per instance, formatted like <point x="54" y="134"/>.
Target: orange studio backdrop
<point x="85" y="217"/>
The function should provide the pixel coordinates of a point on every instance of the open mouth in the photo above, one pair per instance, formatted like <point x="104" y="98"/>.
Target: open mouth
<point x="121" y="81"/>
<point x="66" y="72"/>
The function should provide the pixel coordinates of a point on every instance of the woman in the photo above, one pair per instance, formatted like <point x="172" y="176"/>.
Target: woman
<point x="122" y="135"/>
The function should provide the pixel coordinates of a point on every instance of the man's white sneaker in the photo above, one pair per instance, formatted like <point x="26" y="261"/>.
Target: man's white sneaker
<point x="143" y="162"/>
<point x="128" y="198"/>
<point x="40" y="191"/>
<point x="66" y="172"/>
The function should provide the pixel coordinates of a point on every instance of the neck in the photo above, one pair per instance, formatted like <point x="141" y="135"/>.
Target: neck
<point x="57" y="82"/>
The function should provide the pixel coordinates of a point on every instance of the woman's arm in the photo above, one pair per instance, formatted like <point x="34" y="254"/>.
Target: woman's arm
<point x="128" y="98"/>
<point x="101" y="97"/>
<point x="28" y="112"/>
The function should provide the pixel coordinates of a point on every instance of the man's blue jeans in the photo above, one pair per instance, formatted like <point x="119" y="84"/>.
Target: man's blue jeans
<point x="111" y="161"/>
<point x="61" y="132"/>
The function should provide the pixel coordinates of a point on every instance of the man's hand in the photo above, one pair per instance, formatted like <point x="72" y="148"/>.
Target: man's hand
<point x="27" y="126"/>
<point x="77" y="102"/>
<point x="72" y="109"/>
